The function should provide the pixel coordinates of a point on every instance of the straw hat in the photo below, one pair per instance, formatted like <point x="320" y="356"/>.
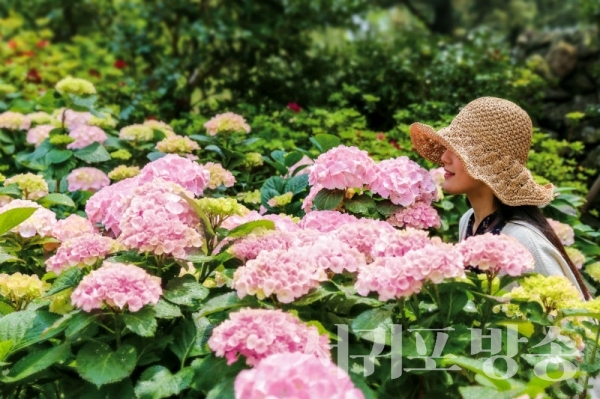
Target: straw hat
<point x="491" y="136"/>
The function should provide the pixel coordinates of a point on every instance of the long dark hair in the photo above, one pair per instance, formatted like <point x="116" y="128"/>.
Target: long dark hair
<point x="534" y="216"/>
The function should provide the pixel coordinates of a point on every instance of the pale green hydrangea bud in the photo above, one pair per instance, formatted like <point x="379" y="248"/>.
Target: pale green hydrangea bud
<point x="576" y="256"/>
<point x="2" y="177"/>
<point x="21" y="288"/>
<point x="106" y="122"/>
<point x="223" y="207"/>
<point x="123" y="172"/>
<point x="281" y="200"/>
<point x="177" y="145"/>
<point x="7" y="89"/>
<point x="32" y="186"/>
<point x="76" y="86"/>
<point x="61" y="302"/>
<point x="252" y="160"/>
<point x="250" y="197"/>
<point x="160" y="126"/>
<point x="593" y="270"/>
<point x="41" y="118"/>
<point x="120" y="154"/>
<point x="136" y="133"/>
<point x="61" y="139"/>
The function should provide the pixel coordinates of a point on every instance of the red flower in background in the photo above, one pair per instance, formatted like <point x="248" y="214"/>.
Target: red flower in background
<point x="94" y="72"/>
<point x="33" y="76"/>
<point x="394" y="143"/>
<point x="294" y="107"/>
<point x="42" y="43"/>
<point x="120" y="64"/>
<point x="12" y="44"/>
<point x="380" y="136"/>
<point x="28" y="53"/>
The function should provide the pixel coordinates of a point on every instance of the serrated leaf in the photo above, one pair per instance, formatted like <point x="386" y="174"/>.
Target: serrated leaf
<point x="156" y="382"/>
<point x="14" y="217"/>
<point x="278" y="156"/>
<point x="14" y="326"/>
<point x="56" y="155"/>
<point x="11" y="190"/>
<point x="223" y="389"/>
<point x="361" y="205"/>
<point x="143" y="322"/>
<point x="165" y="310"/>
<point x="185" y="291"/>
<point x="246" y="228"/>
<point x="68" y="279"/>
<point x="37" y="361"/>
<point x="210" y="366"/>
<point x="296" y="184"/>
<point x="292" y="158"/>
<point x="368" y="321"/>
<point x="100" y="365"/>
<point x="94" y="152"/>
<point x="56" y="199"/>
<point x="386" y="208"/>
<point x="191" y="337"/>
<point x="325" y="142"/>
<point x="219" y="303"/>
<point x="327" y="200"/>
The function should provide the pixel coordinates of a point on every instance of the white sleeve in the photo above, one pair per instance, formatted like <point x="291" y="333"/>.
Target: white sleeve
<point x="463" y="223"/>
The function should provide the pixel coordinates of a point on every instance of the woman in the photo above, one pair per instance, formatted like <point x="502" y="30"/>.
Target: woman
<point x="484" y="153"/>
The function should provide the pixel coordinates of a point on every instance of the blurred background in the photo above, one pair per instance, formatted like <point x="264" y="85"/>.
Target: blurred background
<point x="348" y="66"/>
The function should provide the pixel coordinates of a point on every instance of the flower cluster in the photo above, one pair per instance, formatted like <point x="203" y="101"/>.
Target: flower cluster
<point x="85" y="135"/>
<point x="41" y="222"/>
<point x="250" y="246"/>
<point x="219" y="209"/>
<point x="305" y="162"/>
<point x="363" y="234"/>
<point x="160" y="126"/>
<point x="252" y="160"/>
<point x="563" y="231"/>
<point x="403" y="182"/>
<point x="157" y="219"/>
<point x="258" y="333"/>
<point x="78" y="87"/>
<point x="87" y="179"/>
<point x="14" y="121"/>
<point x="136" y="133"/>
<point x="38" y="134"/>
<point x="72" y="119"/>
<point x="397" y="277"/>
<point x="496" y="254"/>
<point x="576" y="256"/>
<point x="281" y="200"/>
<point x="104" y="122"/>
<point x="219" y="176"/>
<point x="326" y="221"/>
<point x="32" y="186"/>
<point x="593" y="270"/>
<point x="227" y="122"/>
<point x="287" y="274"/>
<point x="40" y="118"/>
<point x="399" y="242"/>
<point x="420" y="215"/>
<point x="107" y="205"/>
<point x="177" y="145"/>
<point x="71" y="227"/>
<point x="117" y="285"/>
<point x="293" y="375"/>
<point x="343" y="167"/>
<point x="121" y="154"/>
<point x="188" y="174"/>
<point x="122" y="172"/>
<point x="437" y="175"/>
<point x="81" y="251"/>
<point x="17" y="287"/>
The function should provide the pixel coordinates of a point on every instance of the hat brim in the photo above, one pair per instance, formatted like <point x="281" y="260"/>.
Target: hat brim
<point x="513" y="185"/>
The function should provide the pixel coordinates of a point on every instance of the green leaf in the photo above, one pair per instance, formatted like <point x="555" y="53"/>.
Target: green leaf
<point x="37" y="361"/>
<point x="325" y="142"/>
<point x="214" y="148"/>
<point x="14" y="217"/>
<point x="84" y="103"/>
<point x="157" y="382"/>
<point x="208" y="228"/>
<point x="68" y="279"/>
<point x="386" y="208"/>
<point x="5" y="349"/>
<point x="185" y="291"/>
<point x="246" y="228"/>
<point x="476" y="366"/>
<point x="165" y="310"/>
<point x="56" y="199"/>
<point x="143" y="322"/>
<point x="206" y="368"/>
<point x="222" y="302"/>
<point x="249" y="141"/>
<point x="454" y="301"/>
<point x="292" y="158"/>
<point x="153" y="156"/>
<point x="94" y="152"/>
<point x="223" y="389"/>
<point x="361" y="205"/>
<point x="14" y="326"/>
<point x="278" y="156"/>
<point x="191" y="337"/>
<point x="202" y="138"/>
<point x="56" y="155"/>
<point x="11" y="190"/>
<point x="313" y="296"/>
<point x="365" y="323"/>
<point x="275" y="183"/>
<point x="327" y="200"/>
<point x="296" y="184"/>
<point x="100" y="365"/>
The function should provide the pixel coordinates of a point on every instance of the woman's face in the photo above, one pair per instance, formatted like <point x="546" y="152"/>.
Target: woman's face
<point x="456" y="179"/>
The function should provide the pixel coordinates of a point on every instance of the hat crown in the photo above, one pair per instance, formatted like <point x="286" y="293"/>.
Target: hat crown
<point x="490" y="122"/>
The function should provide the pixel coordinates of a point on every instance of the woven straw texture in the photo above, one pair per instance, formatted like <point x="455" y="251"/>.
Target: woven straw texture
<point x="491" y="136"/>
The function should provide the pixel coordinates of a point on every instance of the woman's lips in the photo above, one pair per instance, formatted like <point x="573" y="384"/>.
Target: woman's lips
<point x="448" y="175"/>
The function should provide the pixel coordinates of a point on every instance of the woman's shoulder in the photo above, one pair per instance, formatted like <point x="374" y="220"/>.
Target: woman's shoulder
<point x="462" y="224"/>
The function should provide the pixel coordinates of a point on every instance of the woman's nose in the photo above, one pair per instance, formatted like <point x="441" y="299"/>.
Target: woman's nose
<point x="445" y="158"/>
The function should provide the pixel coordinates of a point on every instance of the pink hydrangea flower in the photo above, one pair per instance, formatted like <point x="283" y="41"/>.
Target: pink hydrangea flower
<point x="326" y="221"/>
<point x="73" y="119"/>
<point x="14" y="121"/>
<point x="81" y="251"/>
<point x="363" y="234"/>
<point x="335" y="255"/>
<point x="117" y="285"/>
<point x="250" y="246"/>
<point x="305" y="161"/>
<point x="227" y="122"/>
<point x="38" y="134"/>
<point x="282" y="222"/>
<point x="565" y="233"/>
<point x="399" y="242"/>
<point x="71" y="227"/>
<point x="88" y="179"/>
<point x="42" y="221"/>
<point x="287" y="274"/>
<point x="258" y="333"/>
<point x="419" y="215"/>
<point x="157" y="219"/>
<point x="107" y="205"/>
<point x="293" y="375"/>
<point x="496" y="254"/>
<point x="343" y="167"/>
<point x="85" y="135"/>
<point x="219" y="176"/>
<point x="397" y="277"/>
<point x="404" y="182"/>
<point x="174" y="168"/>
